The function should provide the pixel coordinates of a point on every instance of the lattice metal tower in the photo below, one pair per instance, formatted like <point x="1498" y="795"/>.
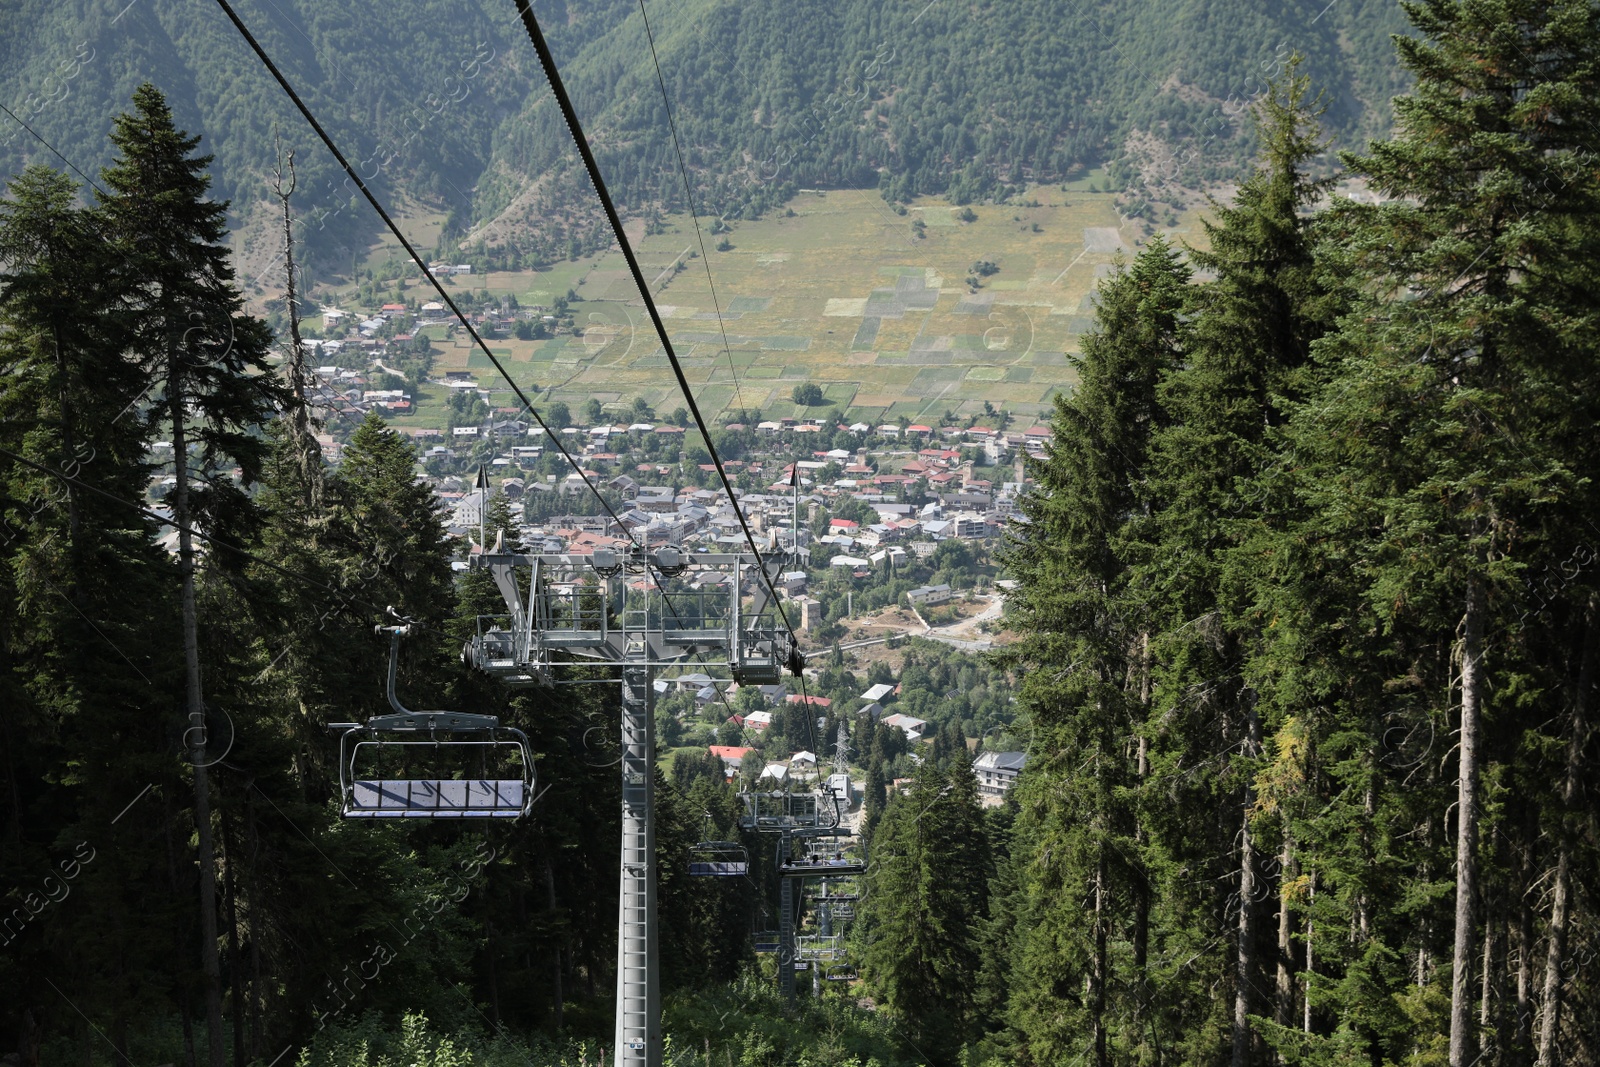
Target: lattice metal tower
<point x="579" y="609"/>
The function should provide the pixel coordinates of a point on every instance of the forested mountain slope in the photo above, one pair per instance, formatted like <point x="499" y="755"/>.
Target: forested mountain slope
<point x="444" y="102"/>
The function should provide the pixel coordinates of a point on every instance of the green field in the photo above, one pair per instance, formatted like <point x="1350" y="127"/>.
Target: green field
<point x="840" y="293"/>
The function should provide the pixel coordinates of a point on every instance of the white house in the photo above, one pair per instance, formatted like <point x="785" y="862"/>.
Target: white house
<point x="997" y="771"/>
<point x="931" y="594"/>
<point x="909" y="725"/>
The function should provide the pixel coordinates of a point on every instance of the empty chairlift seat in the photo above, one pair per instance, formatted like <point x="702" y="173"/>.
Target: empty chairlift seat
<point x="431" y="798"/>
<point x="431" y="764"/>
<point x="719" y="859"/>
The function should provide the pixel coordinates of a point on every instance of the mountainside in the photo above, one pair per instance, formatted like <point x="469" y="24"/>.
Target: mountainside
<point x="444" y="105"/>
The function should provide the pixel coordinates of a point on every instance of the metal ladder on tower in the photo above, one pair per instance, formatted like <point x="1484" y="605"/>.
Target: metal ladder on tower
<point x="638" y="1020"/>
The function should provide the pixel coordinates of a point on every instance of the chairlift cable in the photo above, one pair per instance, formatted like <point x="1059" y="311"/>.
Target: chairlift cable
<point x="688" y="195"/>
<point x="40" y="138"/>
<point x="582" y="144"/>
<point x="389" y="222"/>
<point x="564" y="102"/>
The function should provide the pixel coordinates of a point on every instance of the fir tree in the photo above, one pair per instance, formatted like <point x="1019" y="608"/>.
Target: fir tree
<point x="926" y="891"/>
<point x="1075" y="605"/>
<point x="1441" y="450"/>
<point x="86" y="648"/>
<point x="209" y="362"/>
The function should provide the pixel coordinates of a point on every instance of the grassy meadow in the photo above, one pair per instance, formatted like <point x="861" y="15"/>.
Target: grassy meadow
<point x="840" y="290"/>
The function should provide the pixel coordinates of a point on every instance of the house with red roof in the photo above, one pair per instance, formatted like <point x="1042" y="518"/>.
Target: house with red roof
<point x="730" y="755"/>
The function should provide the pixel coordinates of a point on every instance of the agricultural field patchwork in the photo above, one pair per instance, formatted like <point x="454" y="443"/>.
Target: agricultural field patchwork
<point x="843" y="292"/>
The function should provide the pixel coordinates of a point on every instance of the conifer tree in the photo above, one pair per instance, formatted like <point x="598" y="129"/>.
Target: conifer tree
<point x="926" y="892"/>
<point x="1250" y="345"/>
<point x="1440" y="450"/>
<point x="87" y="656"/>
<point x="1077" y="608"/>
<point x="208" y="359"/>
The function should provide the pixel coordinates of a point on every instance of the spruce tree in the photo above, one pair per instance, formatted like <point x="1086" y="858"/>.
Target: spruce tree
<point x="1249" y="350"/>
<point x="208" y="360"/>
<point x="925" y="895"/>
<point x="1075" y="604"/>
<point x="87" y="656"/>
<point x="1441" y="439"/>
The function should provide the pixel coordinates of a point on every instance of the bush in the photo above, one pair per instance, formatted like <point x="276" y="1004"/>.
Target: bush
<point x="367" y="1042"/>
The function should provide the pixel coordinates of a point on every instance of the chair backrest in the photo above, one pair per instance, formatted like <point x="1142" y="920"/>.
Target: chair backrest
<point x="436" y="798"/>
<point x="718" y="868"/>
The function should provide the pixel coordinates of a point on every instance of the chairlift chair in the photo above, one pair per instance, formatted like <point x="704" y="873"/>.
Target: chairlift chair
<point x="502" y="788"/>
<point x="719" y="859"/>
<point x="841" y="972"/>
<point x="823" y="862"/>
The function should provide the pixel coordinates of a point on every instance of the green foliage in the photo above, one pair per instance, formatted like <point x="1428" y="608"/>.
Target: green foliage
<point x="926" y="883"/>
<point x="1271" y="528"/>
<point x="440" y="112"/>
<point x="368" y="1042"/>
<point x="808" y="395"/>
<point x="1297" y="518"/>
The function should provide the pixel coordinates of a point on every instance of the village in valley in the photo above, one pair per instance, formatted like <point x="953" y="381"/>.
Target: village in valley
<point x="895" y="527"/>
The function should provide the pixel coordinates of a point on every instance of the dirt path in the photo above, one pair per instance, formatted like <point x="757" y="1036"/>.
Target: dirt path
<point x="967" y="629"/>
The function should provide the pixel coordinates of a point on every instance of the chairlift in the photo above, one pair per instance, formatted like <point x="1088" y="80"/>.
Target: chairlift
<point x="719" y="859"/>
<point x="823" y="862"/>
<point x="841" y="972"/>
<point x="434" y="742"/>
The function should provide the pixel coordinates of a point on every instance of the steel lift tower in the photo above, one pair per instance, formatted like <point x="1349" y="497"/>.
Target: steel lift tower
<point x="636" y="609"/>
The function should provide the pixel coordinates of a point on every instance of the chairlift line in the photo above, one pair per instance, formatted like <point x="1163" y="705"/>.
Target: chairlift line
<point x="405" y="243"/>
<point x="753" y="659"/>
<point x="558" y="88"/>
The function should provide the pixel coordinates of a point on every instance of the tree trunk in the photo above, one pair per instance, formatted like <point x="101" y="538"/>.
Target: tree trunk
<point x="184" y="1003"/>
<point x="255" y="998"/>
<point x="307" y="451"/>
<point x="550" y="893"/>
<point x="1525" y="949"/>
<point x="1283" y="1003"/>
<point x="1244" y="976"/>
<point x="1485" y="994"/>
<point x="1310" y="944"/>
<point x="1560" y="902"/>
<point x="1097" y="992"/>
<point x="1141" y="890"/>
<point x="195" y="734"/>
<point x="1463" y="1046"/>
<point x="230" y="900"/>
